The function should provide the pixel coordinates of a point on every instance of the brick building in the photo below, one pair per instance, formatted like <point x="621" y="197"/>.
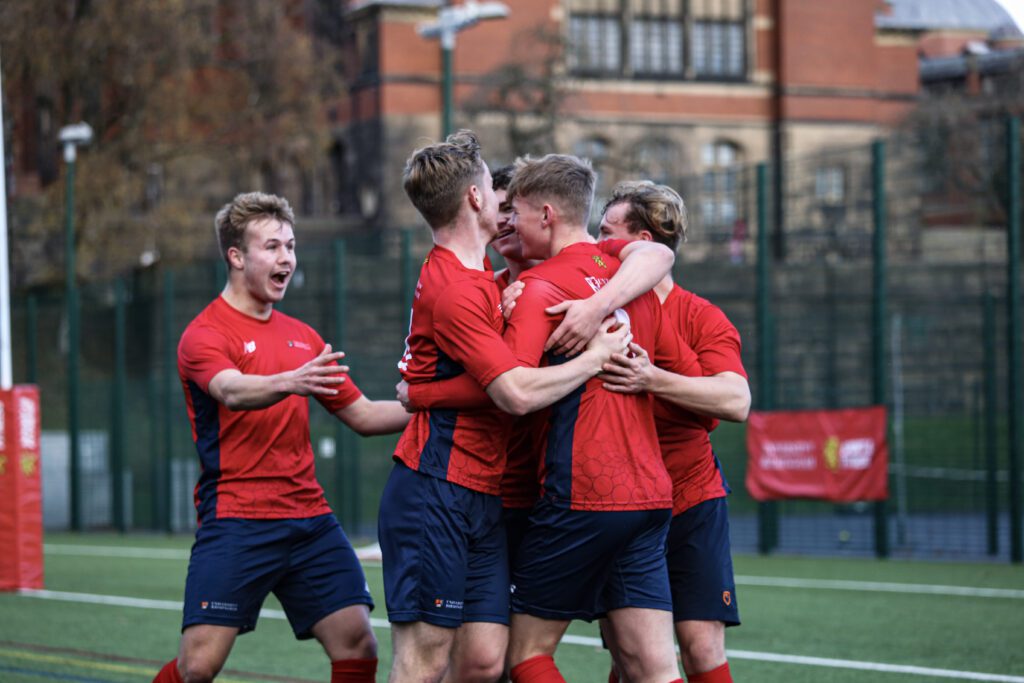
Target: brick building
<point x="654" y="88"/>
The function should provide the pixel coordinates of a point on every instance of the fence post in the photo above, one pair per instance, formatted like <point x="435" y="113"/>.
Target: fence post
<point x="117" y="408"/>
<point x="989" y="427"/>
<point x="32" y="339"/>
<point x="767" y="512"/>
<point x="346" y="459"/>
<point x="408" y="282"/>
<point x="71" y="301"/>
<point x="880" y="312"/>
<point x="1014" y="330"/>
<point x="169" y="375"/>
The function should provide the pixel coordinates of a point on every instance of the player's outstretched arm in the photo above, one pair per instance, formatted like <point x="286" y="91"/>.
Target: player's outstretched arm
<point x="368" y="418"/>
<point x="239" y="391"/>
<point x="523" y="390"/>
<point x="644" y="264"/>
<point x="724" y="396"/>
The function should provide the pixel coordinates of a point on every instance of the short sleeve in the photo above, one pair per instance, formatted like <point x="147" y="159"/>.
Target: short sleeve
<point x="672" y="353"/>
<point x="717" y="343"/>
<point x="460" y="392"/>
<point x="348" y="392"/>
<point x="530" y="325"/>
<point x="202" y="354"/>
<point x="464" y="330"/>
<point x="613" y="247"/>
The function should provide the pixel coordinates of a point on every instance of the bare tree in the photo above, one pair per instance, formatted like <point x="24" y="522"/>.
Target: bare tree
<point x="529" y="92"/>
<point x="191" y="101"/>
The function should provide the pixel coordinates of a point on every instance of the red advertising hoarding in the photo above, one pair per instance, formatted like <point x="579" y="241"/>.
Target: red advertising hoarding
<point x="835" y="455"/>
<point x="21" y="493"/>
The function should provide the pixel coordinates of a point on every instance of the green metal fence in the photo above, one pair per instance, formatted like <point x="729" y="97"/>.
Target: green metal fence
<point x="890" y="289"/>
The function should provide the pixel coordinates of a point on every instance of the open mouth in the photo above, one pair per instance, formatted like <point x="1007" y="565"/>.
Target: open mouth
<point x="281" y="278"/>
<point x="503" y="234"/>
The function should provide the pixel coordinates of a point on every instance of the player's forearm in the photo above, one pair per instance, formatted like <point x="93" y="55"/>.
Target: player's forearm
<point x="644" y="265"/>
<point x="725" y="396"/>
<point x="369" y="418"/>
<point x="462" y="392"/>
<point x="250" y="392"/>
<point x="524" y="390"/>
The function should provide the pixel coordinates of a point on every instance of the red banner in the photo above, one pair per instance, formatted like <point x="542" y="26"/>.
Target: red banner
<point x="836" y="455"/>
<point x="21" y="494"/>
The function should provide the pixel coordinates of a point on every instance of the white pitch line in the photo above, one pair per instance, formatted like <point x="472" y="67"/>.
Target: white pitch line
<point x="171" y="605"/>
<point x="112" y="551"/>
<point x="881" y="587"/>
<point x="743" y="580"/>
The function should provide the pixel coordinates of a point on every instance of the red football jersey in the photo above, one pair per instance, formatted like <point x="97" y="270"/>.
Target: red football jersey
<point x="456" y="327"/>
<point x="256" y="464"/>
<point x="601" y="451"/>
<point x="703" y="329"/>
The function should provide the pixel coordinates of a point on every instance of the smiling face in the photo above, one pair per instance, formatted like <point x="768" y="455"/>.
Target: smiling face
<point x="266" y="259"/>
<point x="528" y="220"/>
<point x="507" y="242"/>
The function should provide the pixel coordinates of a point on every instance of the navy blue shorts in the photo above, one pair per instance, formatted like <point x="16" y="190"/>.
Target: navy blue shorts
<point x="700" y="565"/>
<point x="517" y="521"/>
<point x="307" y="563"/>
<point x="444" y="552"/>
<point x="576" y="564"/>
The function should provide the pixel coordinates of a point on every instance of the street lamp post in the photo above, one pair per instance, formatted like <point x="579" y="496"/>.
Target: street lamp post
<point x="72" y="137"/>
<point x="450" y="20"/>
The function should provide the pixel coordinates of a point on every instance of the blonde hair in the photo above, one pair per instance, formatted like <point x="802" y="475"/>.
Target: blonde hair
<point x="235" y="216"/>
<point x="656" y="208"/>
<point x="561" y="179"/>
<point x="436" y="176"/>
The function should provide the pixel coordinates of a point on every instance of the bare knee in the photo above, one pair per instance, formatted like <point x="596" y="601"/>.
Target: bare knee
<point x="361" y="645"/>
<point x="421" y="651"/>
<point x="197" y="670"/>
<point x="480" y="666"/>
<point x="702" y="646"/>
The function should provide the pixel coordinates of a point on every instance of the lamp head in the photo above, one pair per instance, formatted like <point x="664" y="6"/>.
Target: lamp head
<point x="76" y="134"/>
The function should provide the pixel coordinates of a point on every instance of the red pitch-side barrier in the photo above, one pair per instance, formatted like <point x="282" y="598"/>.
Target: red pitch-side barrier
<point x="21" y="494"/>
<point x="835" y="455"/>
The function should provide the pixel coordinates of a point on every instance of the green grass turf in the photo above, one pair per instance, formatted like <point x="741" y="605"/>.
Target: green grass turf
<point x="55" y="640"/>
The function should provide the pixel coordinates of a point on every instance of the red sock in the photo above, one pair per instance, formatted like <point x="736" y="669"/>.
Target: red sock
<point x="613" y="675"/>
<point x="539" y="669"/>
<point x="169" y="674"/>
<point x="354" y="670"/>
<point x="719" y="675"/>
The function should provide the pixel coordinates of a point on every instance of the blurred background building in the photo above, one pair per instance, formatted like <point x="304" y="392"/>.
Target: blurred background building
<point x="323" y="100"/>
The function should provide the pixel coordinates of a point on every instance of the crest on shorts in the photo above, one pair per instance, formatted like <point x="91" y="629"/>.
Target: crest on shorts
<point x="598" y="260"/>
<point x="727" y="598"/>
<point x="438" y="602"/>
<point x="204" y="604"/>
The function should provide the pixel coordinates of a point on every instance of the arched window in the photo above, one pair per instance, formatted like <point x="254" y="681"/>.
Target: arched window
<point x="657" y="159"/>
<point x="719" y="196"/>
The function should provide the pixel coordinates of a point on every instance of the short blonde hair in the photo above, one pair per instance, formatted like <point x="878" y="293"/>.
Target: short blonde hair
<point x="656" y="208"/>
<point x="561" y="179"/>
<point x="436" y="176"/>
<point x="235" y="216"/>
